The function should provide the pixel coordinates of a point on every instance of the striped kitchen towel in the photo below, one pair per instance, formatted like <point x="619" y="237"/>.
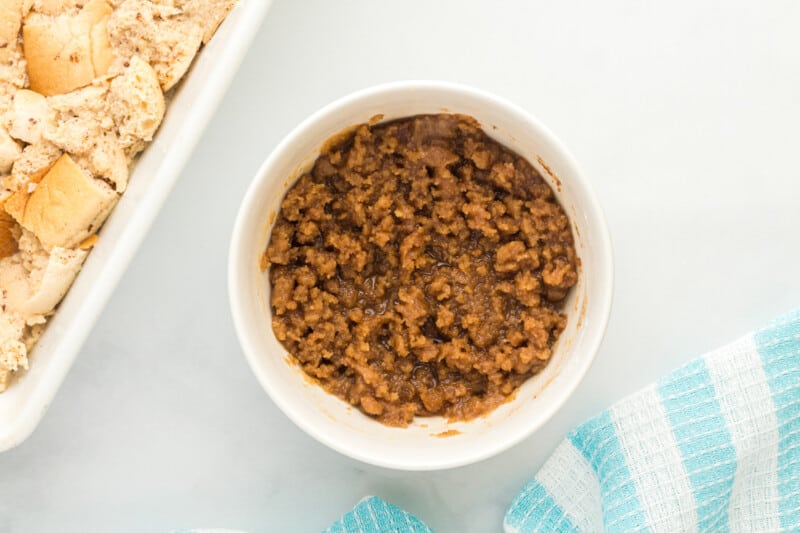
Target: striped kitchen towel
<point x="373" y="515"/>
<point x="714" y="446"/>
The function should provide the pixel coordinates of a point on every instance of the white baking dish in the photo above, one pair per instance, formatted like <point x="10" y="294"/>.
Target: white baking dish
<point x="190" y="109"/>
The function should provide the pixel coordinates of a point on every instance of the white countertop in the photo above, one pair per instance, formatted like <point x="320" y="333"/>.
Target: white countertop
<point x="685" y="117"/>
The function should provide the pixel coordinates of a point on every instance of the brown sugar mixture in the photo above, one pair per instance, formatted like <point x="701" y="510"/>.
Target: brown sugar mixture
<point x="418" y="269"/>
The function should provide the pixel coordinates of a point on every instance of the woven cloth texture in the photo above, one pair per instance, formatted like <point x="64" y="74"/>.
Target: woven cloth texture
<point x="373" y="515"/>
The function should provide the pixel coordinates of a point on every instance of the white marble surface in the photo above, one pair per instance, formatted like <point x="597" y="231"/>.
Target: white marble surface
<point x="685" y="116"/>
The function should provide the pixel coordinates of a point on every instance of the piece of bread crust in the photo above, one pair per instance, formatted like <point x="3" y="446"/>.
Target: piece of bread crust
<point x="35" y="160"/>
<point x="84" y="128"/>
<point x="15" y="203"/>
<point x="29" y="117"/>
<point x="98" y="12"/>
<point x="55" y="7"/>
<point x="12" y="63"/>
<point x="80" y="118"/>
<point x="34" y="280"/>
<point x="9" y="151"/>
<point x="162" y="35"/>
<point x="53" y="283"/>
<point x="10" y="22"/>
<point x="136" y="102"/>
<point x="209" y="13"/>
<point x="59" y="58"/>
<point x="13" y="356"/>
<point x="107" y="160"/>
<point x="67" y="52"/>
<point x="89" y="242"/>
<point x="13" y="72"/>
<point x="8" y="233"/>
<point x="65" y="207"/>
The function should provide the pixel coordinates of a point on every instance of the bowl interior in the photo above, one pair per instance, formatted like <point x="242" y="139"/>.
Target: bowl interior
<point x="429" y="443"/>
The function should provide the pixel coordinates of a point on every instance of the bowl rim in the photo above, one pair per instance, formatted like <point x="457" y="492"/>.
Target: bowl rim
<point x="604" y="291"/>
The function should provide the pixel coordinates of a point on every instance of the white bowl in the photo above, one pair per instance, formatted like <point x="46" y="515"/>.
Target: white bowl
<point x="428" y="443"/>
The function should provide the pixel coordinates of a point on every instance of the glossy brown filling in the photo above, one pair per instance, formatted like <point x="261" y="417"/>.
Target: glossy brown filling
<point x="419" y="269"/>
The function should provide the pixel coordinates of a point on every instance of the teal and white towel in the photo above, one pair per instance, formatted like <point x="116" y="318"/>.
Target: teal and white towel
<point x="373" y="515"/>
<point x="714" y="446"/>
